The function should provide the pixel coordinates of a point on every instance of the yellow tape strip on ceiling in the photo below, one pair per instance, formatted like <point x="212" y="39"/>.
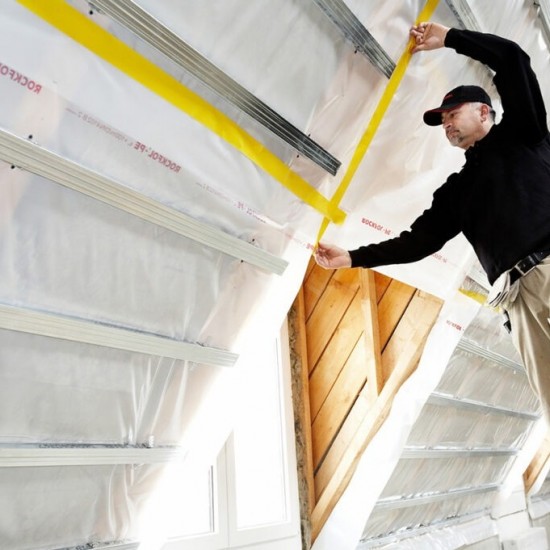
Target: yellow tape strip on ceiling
<point x="377" y="117"/>
<point x="90" y="35"/>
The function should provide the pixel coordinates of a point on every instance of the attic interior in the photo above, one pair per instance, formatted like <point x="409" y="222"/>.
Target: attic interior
<point x="176" y="371"/>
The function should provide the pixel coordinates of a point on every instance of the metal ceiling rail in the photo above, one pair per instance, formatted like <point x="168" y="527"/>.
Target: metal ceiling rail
<point x="105" y="546"/>
<point x="29" y="156"/>
<point x="89" y="332"/>
<point x="464" y="14"/>
<point x="24" y="457"/>
<point x="452" y="452"/>
<point x="407" y="502"/>
<point x="474" y="348"/>
<point x="460" y="403"/>
<point x="354" y="31"/>
<point x="419" y="531"/>
<point x="130" y="15"/>
<point x="543" y="12"/>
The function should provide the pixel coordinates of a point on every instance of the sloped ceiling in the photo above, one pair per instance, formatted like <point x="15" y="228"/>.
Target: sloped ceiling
<point x="113" y="266"/>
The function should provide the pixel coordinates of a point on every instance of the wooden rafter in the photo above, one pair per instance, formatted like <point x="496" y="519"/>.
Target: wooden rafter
<point x="375" y="374"/>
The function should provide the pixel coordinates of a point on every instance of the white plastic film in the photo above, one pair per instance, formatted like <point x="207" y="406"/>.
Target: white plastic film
<point x="69" y="254"/>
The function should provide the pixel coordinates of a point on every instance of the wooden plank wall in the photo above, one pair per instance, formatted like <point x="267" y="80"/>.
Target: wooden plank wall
<point x="364" y="334"/>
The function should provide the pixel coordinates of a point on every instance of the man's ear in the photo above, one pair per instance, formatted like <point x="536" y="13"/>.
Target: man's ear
<point x="484" y="111"/>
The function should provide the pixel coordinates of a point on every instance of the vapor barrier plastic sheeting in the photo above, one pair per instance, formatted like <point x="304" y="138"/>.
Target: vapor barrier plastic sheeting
<point x="471" y="435"/>
<point x="98" y="504"/>
<point x="423" y="476"/>
<point x="383" y="522"/>
<point x="452" y="426"/>
<point x="495" y="384"/>
<point x="71" y="255"/>
<point x="444" y="537"/>
<point x="65" y="253"/>
<point x="56" y="391"/>
<point x="491" y="335"/>
<point x="85" y="115"/>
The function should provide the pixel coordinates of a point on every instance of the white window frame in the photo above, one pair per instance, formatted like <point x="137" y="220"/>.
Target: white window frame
<point x="284" y="535"/>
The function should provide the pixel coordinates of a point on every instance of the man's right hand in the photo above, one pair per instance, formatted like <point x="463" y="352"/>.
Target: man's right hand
<point x="332" y="257"/>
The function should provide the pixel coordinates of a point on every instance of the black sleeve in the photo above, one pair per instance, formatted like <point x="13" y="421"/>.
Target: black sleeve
<point x="515" y="80"/>
<point x="427" y="234"/>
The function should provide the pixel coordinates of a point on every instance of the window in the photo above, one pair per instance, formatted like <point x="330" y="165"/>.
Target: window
<point x="250" y="495"/>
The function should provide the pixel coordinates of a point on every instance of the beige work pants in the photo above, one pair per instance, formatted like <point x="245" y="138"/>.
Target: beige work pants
<point x="530" y="319"/>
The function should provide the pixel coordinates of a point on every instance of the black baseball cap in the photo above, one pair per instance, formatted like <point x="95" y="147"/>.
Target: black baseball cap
<point x="454" y="98"/>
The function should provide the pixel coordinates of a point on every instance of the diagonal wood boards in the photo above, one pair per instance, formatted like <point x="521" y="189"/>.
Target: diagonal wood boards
<point x="364" y="336"/>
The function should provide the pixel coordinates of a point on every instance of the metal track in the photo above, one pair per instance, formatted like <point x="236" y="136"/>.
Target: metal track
<point x="89" y="332"/>
<point x="407" y="502"/>
<point x="354" y="31"/>
<point x="35" y="159"/>
<point x="464" y="15"/>
<point x="449" y="452"/>
<point x="82" y="455"/>
<point x="130" y="15"/>
<point x="472" y="347"/>
<point x="449" y="401"/>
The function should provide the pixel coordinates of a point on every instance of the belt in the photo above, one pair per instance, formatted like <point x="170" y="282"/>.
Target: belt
<point x="525" y="265"/>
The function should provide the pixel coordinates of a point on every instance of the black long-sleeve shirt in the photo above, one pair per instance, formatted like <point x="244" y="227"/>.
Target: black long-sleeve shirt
<point x="500" y="200"/>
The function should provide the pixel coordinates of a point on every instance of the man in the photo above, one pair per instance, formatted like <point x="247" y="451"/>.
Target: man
<point x="500" y="200"/>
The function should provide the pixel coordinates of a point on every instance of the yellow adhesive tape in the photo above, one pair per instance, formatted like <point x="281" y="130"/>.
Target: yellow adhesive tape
<point x="90" y="35"/>
<point x="377" y="117"/>
<point x="477" y="296"/>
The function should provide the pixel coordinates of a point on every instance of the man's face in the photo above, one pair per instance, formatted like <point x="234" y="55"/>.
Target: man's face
<point x="462" y="124"/>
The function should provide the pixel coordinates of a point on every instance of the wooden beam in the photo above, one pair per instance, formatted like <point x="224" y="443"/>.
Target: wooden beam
<point x="397" y="296"/>
<point x="338" y="403"/>
<point x="392" y="306"/>
<point x="329" y="311"/>
<point x="373" y="360"/>
<point x="314" y="286"/>
<point x="537" y="465"/>
<point x="382" y="284"/>
<point x="421" y="316"/>
<point x="302" y="418"/>
<point x="334" y="357"/>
